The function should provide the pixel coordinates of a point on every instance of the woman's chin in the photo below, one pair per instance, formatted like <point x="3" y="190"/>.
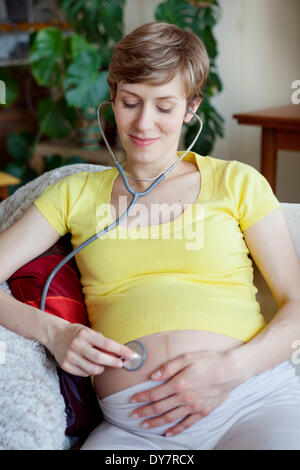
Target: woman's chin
<point x="138" y="155"/>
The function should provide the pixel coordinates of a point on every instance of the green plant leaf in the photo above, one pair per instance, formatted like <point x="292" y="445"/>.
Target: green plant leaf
<point x="215" y="81"/>
<point x="28" y="175"/>
<point x="95" y="19"/>
<point x="111" y="18"/>
<point x="20" y="171"/>
<point x="74" y="160"/>
<point x="56" y="161"/>
<point x="18" y="145"/>
<point x="53" y="161"/>
<point x="211" y="16"/>
<point x="204" y="143"/>
<point x="176" y="12"/>
<point x="78" y="44"/>
<point x="11" y="87"/>
<point x="47" y="57"/>
<point x="217" y="122"/>
<point x="15" y="169"/>
<point x="57" y="119"/>
<point x="210" y="42"/>
<point x="89" y="87"/>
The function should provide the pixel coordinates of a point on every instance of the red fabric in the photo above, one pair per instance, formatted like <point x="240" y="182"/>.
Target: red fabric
<point x="64" y="297"/>
<point x="65" y="300"/>
<point x="73" y="310"/>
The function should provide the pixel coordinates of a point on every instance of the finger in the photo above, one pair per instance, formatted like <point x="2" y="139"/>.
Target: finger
<point x="169" y="417"/>
<point x="101" y="357"/>
<point x="174" y="386"/>
<point x="76" y="360"/>
<point x="75" y="370"/>
<point x="194" y="417"/>
<point x="154" y="394"/>
<point x="157" y="408"/>
<point x="170" y="368"/>
<point x="108" y="344"/>
<point x="183" y="424"/>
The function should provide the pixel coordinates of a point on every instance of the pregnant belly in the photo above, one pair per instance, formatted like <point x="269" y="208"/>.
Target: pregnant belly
<point x="161" y="347"/>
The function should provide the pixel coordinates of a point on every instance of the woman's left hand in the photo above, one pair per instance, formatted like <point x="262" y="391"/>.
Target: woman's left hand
<point x="199" y="382"/>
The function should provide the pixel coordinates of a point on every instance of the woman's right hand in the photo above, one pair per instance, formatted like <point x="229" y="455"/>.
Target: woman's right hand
<point x="82" y="351"/>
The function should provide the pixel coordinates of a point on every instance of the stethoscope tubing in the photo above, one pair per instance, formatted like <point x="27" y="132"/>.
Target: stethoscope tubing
<point x="98" y="234"/>
<point x="135" y="196"/>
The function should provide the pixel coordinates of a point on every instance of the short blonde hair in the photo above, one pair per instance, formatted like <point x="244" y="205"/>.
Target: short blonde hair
<point x="155" y="52"/>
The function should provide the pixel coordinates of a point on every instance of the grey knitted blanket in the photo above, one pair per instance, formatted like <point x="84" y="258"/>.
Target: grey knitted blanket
<point x="32" y="409"/>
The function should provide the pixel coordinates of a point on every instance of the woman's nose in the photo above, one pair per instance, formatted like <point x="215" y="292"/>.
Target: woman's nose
<point x="144" y="119"/>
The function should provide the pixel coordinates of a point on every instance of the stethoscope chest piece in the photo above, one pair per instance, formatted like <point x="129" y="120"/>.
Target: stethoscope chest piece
<point x="140" y="356"/>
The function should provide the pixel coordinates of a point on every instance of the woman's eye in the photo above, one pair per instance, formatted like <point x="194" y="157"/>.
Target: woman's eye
<point x="165" y="110"/>
<point x="129" y="105"/>
<point x="133" y="105"/>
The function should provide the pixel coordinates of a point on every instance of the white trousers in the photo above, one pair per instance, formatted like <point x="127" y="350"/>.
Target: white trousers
<point x="261" y="414"/>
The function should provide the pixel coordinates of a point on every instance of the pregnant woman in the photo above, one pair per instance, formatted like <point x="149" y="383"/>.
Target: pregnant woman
<point x="175" y="275"/>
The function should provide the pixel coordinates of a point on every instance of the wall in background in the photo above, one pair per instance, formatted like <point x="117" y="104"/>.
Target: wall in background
<point x="139" y="12"/>
<point x="258" y="60"/>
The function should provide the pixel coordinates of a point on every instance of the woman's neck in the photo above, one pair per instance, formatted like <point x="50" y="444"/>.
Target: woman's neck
<point x="139" y="173"/>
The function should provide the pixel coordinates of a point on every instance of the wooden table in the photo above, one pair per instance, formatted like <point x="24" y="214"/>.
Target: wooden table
<point x="280" y="131"/>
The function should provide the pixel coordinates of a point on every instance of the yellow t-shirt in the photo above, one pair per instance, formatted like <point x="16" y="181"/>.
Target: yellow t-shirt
<point x="191" y="273"/>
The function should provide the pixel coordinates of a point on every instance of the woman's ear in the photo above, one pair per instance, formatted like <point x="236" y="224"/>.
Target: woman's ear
<point x="193" y="105"/>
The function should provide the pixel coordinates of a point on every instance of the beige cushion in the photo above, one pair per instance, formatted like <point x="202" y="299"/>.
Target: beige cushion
<point x="264" y="295"/>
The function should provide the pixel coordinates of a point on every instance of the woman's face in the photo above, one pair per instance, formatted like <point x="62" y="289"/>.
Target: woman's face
<point x="149" y="120"/>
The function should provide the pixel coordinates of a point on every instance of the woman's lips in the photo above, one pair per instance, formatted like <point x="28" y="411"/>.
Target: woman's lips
<point x="142" y="142"/>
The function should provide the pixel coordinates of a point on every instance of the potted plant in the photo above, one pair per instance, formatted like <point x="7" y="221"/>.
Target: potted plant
<point x="72" y="65"/>
<point x="199" y="17"/>
<point x="74" y="68"/>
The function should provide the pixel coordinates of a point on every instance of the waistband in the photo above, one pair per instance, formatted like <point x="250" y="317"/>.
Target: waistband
<point x="279" y="383"/>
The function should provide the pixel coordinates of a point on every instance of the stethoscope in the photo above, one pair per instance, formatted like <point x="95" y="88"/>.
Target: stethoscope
<point x="140" y="356"/>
